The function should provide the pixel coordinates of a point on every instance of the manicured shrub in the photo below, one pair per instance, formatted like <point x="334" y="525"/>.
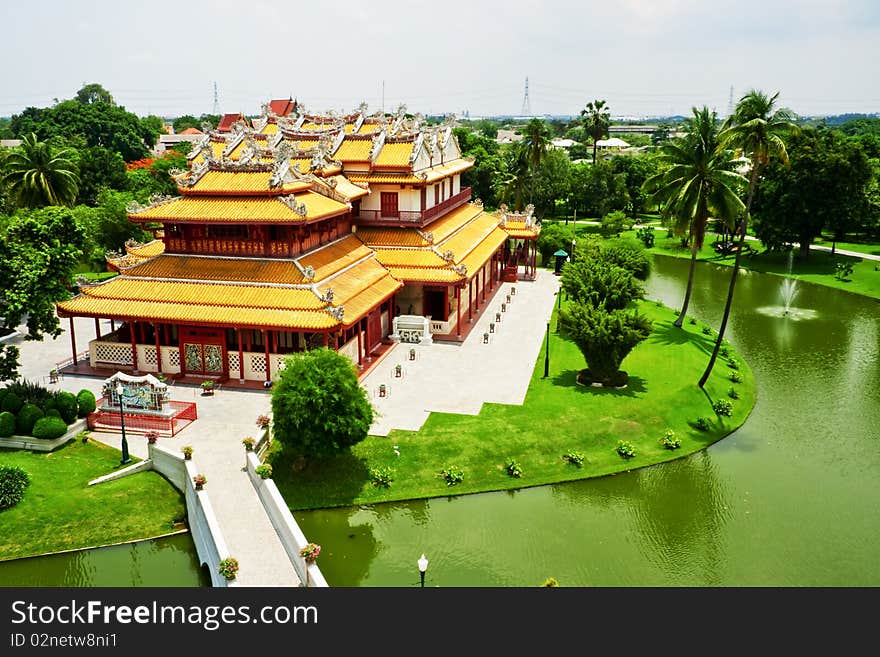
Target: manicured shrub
<point x="733" y="394"/>
<point x="11" y="403"/>
<point x="54" y="412"/>
<point x="452" y="475"/>
<point x="626" y="449"/>
<point x="732" y="364"/>
<point x="7" y="424"/>
<point x="263" y="471"/>
<point x="514" y="469"/>
<point x="85" y="402"/>
<point x="13" y="481"/>
<point x="26" y="418"/>
<point x="3" y="393"/>
<point x="723" y="407"/>
<point x="706" y="330"/>
<point x="67" y="405"/>
<point x="669" y="441"/>
<point x="702" y="424"/>
<point x="49" y="428"/>
<point x="736" y="377"/>
<point x="724" y="352"/>
<point x="382" y="476"/>
<point x="228" y="567"/>
<point x="575" y="458"/>
<point x="629" y="255"/>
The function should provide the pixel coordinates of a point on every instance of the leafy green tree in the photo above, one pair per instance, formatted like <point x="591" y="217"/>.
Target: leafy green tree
<point x="599" y="283"/>
<point x="825" y="186"/>
<point x="636" y="170"/>
<point x="318" y="406"/>
<point x="533" y="150"/>
<point x="487" y="162"/>
<point x="596" y="190"/>
<point x="597" y="120"/>
<point x="99" y="168"/>
<point x="627" y="254"/>
<point x="93" y="93"/>
<point x="35" y="175"/>
<point x="615" y="222"/>
<point x="701" y="181"/>
<point x="552" y="182"/>
<point x="759" y="131"/>
<point x="554" y="236"/>
<point x="38" y="255"/>
<point x="604" y="338"/>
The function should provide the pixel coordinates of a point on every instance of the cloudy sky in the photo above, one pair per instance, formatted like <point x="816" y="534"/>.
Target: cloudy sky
<point x="646" y="57"/>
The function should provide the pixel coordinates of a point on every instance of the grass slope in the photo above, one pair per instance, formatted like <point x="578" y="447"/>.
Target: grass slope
<point x="558" y="416"/>
<point x="60" y="511"/>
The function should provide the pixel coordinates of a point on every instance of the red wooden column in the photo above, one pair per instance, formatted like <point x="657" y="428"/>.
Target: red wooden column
<point x="471" y="300"/>
<point x="458" y="311"/>
<point x="367" y="344"/>
<point x="134" y="350"/>
<point x="73" y="341"/>
<point x="266" y="344"/>
<point x="158" y="349"/>
<point x="483" y="270"/>
<point x="112" y="326"/>
<point x="97" y="329"/>
<point x="240" y="358"/>
<point x="360" y="347"/>
<point x="325" y="338"/>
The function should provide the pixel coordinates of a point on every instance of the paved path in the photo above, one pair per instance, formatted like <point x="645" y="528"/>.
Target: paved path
<point x="224" y="420"/>
<point x="460" y="378"/>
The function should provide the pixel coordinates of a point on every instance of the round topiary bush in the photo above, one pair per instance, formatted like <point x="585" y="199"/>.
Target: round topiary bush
<point x="49" y="428"/>
<point x="54" y="412"/>
<point x="26" y="418"/>
<point x="13" y="481"/>
<point x="11" y="403"/>
<point x="85" y="401"/>
<point x="7" y="424"/>
<point x="66" y="403"/>
<point x="3" y="393"/>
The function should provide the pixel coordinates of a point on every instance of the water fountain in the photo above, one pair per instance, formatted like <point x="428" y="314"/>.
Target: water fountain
<point x="789" y="286"/>
<point x="788" y="291"/>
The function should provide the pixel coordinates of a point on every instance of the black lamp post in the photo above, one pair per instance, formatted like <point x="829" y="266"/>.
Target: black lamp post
<point x="423" y="566"/>
<point x="125" y="456"/>
<point x="547" y="354"/>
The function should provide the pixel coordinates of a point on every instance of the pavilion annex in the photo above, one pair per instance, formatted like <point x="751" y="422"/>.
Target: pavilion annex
<point x="295" y="231"/>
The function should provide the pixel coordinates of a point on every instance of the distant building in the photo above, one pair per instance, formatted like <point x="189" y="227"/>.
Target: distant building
<point x="507" y="137"/>
<point x="167" y="142"/>
<point x="10" y="143"/>
<point x="563" y="143"/>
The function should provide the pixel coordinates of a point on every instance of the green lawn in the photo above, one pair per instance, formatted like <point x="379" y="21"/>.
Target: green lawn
<point x="858" y="247"/>
<point x="818" y="268"/>
<point x="60" y="511"/>
<point x="558" y="416"/>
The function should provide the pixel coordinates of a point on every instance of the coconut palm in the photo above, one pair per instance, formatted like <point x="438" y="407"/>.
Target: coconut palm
<point x="597" y="118"/>
<point x="533" y="149"/>
<point x="701" y="181"/>
<point x="758" y="132"/>
<point x="36" y="175"/>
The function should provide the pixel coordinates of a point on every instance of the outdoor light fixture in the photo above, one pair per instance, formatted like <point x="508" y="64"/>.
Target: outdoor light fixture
<point x="398" y="371"/>
<point x="382" y="390"/>
<point x="423" y="566"/>
<point x="485" y="338"/>
<point x="491" y="327"/>
<point x="497" y="317"/>
<point x="504" y="307"/>
<point x="412" y="354"/>
<point x="125" y="456"/>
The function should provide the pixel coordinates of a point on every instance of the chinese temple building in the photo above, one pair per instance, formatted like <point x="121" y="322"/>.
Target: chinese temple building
<point x="297" y="231"/>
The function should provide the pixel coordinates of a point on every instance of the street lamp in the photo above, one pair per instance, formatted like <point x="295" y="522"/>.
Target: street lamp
<point x="125" y="456"/>
<point x="423" y="566"/>
<point x="573" y="242"/>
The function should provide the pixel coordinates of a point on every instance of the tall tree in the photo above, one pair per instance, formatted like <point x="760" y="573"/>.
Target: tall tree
<point x="701" y="181"/>
<point x="533" y="150"/>
<point x="758" y="131"/>
<point x="36" y="175"/>
<point x="597" y="119"/>
<point x="93" y="93"/>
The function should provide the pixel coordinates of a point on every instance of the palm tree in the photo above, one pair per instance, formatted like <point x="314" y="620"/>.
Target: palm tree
<point x="758" y="131"/>
<point x="701" y="180"/>
<point x="37" y="176"/>
<point x="597" y="118"/>
<point x="536" y="141"/>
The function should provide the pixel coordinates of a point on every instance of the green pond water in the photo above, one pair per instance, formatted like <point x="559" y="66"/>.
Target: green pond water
<point x="790" y="499"/>
<point x="165" y="562"/>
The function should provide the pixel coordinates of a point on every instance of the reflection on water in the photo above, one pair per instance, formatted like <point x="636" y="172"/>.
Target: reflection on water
<point x="784" y="501"/>
<point x="166" y="562"/>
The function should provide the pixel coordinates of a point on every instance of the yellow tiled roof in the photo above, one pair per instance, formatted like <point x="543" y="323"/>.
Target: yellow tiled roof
<point x="384" y="177"/>
<point x="233" y="210"/>
<point x="338" y="255"/>
<point x="269" y="129"/>
<point x="390" y="236"/>
<point x="219" y="269"/>
<point x="395" y="155"/>
<point x="449" y="223"/>
<point x="466" y="239"/>
<point x="148" y="250"/>
<point x="353" y="150"/>
<point x="217" y="147"/>
<point x="518" y="230"/>
<point x="241" y="183"/>
<point x="361" y="303"/>
<point x="348" y="189"/>
<point x="424" y="275"/>
<point x="481" y="252"/>
<point x="409" y="258"/>
<point x="448" y="169"/>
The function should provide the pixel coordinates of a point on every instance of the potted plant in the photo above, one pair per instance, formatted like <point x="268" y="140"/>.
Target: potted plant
<point x="310" y="553"/>
<point x="207" y="387"/>
<point x="264" y="471"/>
<point x="152" y="437"/>
<point x="249" y="444"/>
<point x="228" y="567"/>
<point x="187" y="452"/>
<point x="200" y="480"/>
<point x="263" y="421"/>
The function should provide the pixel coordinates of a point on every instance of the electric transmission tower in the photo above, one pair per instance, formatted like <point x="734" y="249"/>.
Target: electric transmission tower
<point x="527" y="105"/>
<point x="216" y="101"/>
<point x="730" y="102"/>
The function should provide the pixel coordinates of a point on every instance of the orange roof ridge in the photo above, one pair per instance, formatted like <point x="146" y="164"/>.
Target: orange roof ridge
<point x="205" y="281"/>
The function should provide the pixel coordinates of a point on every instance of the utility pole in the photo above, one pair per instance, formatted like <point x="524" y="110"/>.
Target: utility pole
<point x="526" y="106"/>
<point x="216" y="109"/>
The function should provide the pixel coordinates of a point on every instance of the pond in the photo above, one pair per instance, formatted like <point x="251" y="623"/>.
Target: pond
<point x="790" y="499"/>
